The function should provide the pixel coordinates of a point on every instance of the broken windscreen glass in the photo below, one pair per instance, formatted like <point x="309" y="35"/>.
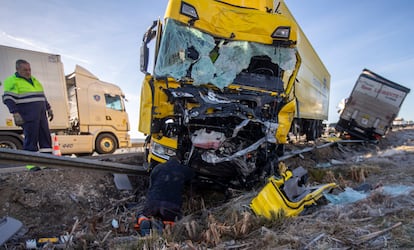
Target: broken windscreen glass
<point x="186" y="52"/>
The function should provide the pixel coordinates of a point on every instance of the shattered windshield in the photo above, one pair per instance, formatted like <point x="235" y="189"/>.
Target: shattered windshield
<point x="186" y="52"/>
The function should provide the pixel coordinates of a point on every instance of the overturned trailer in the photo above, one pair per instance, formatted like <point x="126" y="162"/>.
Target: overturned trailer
<point x="371" y="108"/>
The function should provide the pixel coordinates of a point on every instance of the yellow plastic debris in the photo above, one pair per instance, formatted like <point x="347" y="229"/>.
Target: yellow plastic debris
<point x="273" y="200"/>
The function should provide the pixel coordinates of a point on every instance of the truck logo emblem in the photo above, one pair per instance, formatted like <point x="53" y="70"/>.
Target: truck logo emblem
<point x="97" y="98"/>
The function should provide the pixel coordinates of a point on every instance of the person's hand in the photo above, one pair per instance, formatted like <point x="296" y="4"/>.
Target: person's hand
<point x="18" y="119"/>
<point x="50" y="114"/>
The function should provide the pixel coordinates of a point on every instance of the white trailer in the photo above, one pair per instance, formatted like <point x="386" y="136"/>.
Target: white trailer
<point x="371" y="108"/>
<point x="89" y="114"/>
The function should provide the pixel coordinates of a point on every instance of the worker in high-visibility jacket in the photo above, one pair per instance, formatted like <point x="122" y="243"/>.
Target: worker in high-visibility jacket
<point x="25" y="99"/>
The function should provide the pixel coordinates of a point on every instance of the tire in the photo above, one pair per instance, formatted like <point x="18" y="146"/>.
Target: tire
<point x="10" y="142"/>
<point x="106" y="144"/>
<point x="312" y="131"/>
<point x="280" y="150"/>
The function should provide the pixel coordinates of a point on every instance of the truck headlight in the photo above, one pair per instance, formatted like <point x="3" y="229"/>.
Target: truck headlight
<point x="281" y="32"/>
<point x="188" y="10"/>
<point x="162" y="151"/>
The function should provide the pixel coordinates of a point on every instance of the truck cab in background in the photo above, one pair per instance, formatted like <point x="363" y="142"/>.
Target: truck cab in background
<point x="90" y="114"/>
<point x="97" y="112"/>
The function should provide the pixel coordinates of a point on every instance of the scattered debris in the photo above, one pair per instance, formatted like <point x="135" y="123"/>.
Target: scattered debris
<point x="288" y="194"/>
<point x="9" y="226"/>
<point x="122" y="182"/>
<point x="85" y="209"/>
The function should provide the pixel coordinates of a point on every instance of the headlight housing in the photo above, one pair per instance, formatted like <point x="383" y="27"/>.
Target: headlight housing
<point x="188" y="10"/>
<point x="162" y="151"/>
<point x="281" y="32"/>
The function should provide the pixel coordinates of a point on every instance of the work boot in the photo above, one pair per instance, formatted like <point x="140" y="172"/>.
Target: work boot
<point x="157" y="225"/>
<point x="145" y="227"/>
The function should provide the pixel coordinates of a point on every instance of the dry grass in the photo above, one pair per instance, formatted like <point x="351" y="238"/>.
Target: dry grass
<point x="378" y="222"/>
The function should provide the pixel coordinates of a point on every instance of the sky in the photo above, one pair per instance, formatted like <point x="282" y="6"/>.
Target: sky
<point x="105" y="38"/>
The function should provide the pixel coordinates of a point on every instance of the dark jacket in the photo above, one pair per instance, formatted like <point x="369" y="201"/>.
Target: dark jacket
<point x="167" y="182"/>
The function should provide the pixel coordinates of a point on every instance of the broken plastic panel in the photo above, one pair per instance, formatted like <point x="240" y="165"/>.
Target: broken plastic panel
<point x="350" y="195"/>
<point x="9" y="226"/>
<point x="207" y="139"/>
<point x="186" y="52"/>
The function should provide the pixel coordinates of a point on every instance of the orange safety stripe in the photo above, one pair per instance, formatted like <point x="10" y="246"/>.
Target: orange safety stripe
<point x="141" y="219"/>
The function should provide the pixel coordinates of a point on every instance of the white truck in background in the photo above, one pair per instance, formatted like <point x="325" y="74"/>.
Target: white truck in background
<point x="371" y="108"/>
<point x="89" y="114"/>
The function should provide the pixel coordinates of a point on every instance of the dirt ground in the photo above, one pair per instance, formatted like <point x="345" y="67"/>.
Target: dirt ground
<point x="85" y="206"/>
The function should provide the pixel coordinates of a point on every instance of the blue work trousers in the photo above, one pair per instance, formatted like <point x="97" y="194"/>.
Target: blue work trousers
<point x="164" y="210"/>
<point x="37" y="135"/>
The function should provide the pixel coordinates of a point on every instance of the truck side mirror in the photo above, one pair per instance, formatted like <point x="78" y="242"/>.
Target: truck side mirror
<point x="148" y="36"/>
<point x="144" y="59"/>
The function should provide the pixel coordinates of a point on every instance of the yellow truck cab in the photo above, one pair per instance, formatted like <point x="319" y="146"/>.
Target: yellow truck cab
<point x="222" y="87"/>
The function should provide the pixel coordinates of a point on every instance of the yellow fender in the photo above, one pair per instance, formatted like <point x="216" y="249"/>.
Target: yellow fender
<point x="286" y="115"/>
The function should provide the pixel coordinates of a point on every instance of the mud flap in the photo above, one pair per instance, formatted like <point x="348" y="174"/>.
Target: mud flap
<point x="9" y="226"/>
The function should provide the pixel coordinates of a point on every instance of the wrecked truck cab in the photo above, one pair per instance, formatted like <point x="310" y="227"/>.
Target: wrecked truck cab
<point x="224" y="101"/>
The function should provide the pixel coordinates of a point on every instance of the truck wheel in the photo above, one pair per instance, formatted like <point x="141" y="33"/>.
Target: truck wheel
<point x="10" y="142"/>
<point x="312" y="131"/>
<point x="106" y="144"/>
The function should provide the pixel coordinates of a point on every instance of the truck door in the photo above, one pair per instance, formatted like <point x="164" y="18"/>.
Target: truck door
<point x="115" y="114"/>
<point x="103" y="106"/>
